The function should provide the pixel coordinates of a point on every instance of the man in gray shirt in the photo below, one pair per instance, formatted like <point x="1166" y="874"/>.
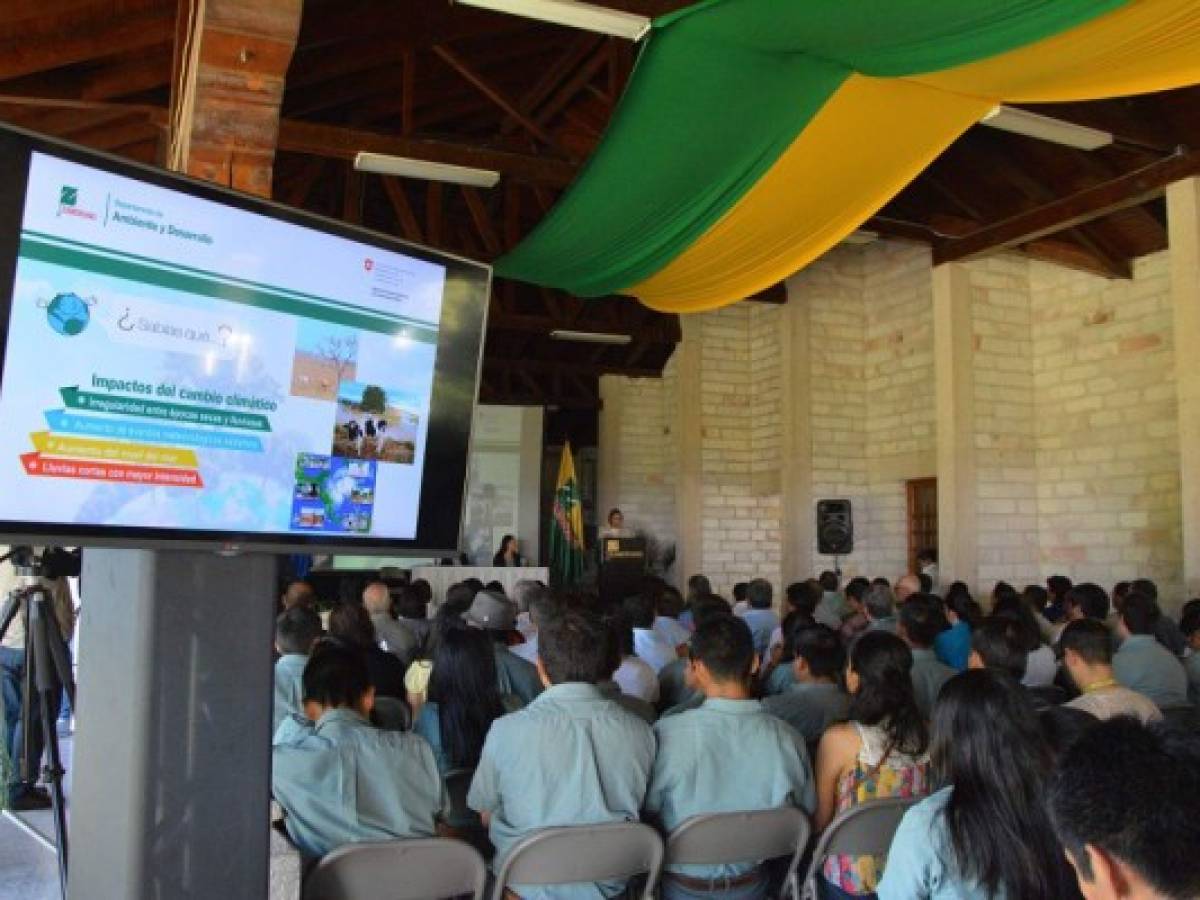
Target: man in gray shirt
<point x="397" y="639"/>
<point x="571" y="757"/>
<point x="1143" y="664"/>
<point x="816" y="700"/>
<point x="922" y="619"/>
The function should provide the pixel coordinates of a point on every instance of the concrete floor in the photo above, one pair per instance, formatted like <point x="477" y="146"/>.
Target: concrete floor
<point x="28" y="866"/>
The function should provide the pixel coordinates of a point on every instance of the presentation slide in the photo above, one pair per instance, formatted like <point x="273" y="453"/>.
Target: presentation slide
<point x="176" y="363"/>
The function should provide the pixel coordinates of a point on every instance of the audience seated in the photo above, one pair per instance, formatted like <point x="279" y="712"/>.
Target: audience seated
<point x="620" y="638"/>
<point x="832" y="608"/>
<point x="666" y="622"/>
<point x="462" y="699"/>
<point x="921" y="621"/>
<point x="351" y="624"/>
<point x="1040" y="663"/>
<point x="697" y="586"/>
<point x="801" y="599"/>
<point x="540" y="603"/>
<point x="1189" y="625"/>
<point x="571" y="757"/>
<point x="692" y="773"/>
<point x="648" y="644"/>
<point x="815" y="700"/>
<point x="856" y="622"/>
<point x="523" y="593"/>
<point x="1143" y="664"/>
<point x="759" y="616"/>
<point x="296" y="630"/>
<point x="1123" y="800"/>
<point x="1166" y="631"/>
<point x="633" y="675"/>
<point x="741" y="602"/>
<point x="674" y="691"/>
<point x="496" y="616"/>
<point x="906" y="586"/>
<point x="298" y="593"/>
<point x="416" y="680"/>
<point x="1057" y="586"/>
<point x="996" y="645"/>
<point x="394" y="637"/>
<point x="953" y="646"/>
<point x="1087" y="649"/>
<point x="986" y="833"/>
<point x="879" y="605"/>
<point x="342" y="781"/>
<point x="881" y="752"/>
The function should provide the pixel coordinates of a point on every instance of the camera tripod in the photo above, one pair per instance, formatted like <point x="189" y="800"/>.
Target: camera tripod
<point x="47" y="673"/>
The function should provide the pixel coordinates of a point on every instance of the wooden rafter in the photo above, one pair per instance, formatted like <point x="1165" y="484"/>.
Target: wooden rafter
<point x="119" y="34"/>
<point x="1085" y="206"/>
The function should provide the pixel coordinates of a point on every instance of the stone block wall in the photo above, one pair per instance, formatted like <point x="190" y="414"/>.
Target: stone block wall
<point x="1073" y="421"/>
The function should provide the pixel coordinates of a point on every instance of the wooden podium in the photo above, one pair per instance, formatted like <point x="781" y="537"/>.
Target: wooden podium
<point x="622" y="566"/>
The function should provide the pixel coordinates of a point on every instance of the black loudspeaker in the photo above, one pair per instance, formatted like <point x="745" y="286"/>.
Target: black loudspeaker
<point x="835" y="528"/>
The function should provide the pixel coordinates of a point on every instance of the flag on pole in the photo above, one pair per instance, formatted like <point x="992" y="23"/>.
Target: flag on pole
<point x="566" y="526"/>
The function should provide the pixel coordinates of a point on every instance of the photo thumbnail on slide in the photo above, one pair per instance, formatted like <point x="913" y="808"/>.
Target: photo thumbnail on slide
<point x="175" y="363"/>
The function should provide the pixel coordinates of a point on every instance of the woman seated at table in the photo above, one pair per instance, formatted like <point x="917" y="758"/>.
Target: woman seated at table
<point x="509" y="553"/>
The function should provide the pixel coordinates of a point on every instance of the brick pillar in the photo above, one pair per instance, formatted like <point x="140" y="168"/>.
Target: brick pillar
<point x="689" y="499"/>
<point x="1183" y="214"/>
<point x="953" y="344"/>
<point x="608" y="462"/>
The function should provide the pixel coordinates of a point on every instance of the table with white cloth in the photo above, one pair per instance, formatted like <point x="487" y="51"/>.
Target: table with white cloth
<point x="441" y="577"/>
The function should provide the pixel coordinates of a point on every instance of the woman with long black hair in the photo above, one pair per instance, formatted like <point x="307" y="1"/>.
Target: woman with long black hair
<point x="987" y="834"/>
<point x="880" y="752"/>
<point x="462" y="698"/>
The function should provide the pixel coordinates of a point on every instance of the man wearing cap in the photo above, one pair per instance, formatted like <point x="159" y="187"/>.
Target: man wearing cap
<point x="497" y="615"/>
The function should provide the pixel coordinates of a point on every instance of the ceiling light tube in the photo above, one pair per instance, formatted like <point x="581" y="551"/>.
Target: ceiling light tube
<point x="590" y="337"/>
<point x="1046" y="128"/>
<point x="403" y="167"/>
<point x="586" y="16"/>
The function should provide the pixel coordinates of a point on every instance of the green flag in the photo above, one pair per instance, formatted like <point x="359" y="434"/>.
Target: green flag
<point x="566" y="525"/>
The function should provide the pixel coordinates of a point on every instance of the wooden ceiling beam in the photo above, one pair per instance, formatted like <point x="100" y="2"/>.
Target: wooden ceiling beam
<point x="483" y="221"/>
<point x="568" y="91"/>
<point x="410" y="228"/>
<point x="298" y="191"/>
<point x="343" y="143"/>
<point x="117" y="34"/>
<point x="578" y="50"/>
<point x="446" y="55"/>
<point x="147" y="72"/>
<point x="546" y="366"/>
<point x="1084" y="206"/>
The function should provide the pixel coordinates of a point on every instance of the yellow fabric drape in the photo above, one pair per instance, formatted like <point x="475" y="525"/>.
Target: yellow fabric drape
<point x="876" y="134"/>
<point x="825" y="185"/>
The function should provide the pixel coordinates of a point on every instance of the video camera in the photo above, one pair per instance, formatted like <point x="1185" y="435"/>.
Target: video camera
<point x="54" y="562"/>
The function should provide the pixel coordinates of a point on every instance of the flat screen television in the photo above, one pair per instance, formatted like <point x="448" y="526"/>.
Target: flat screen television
<point x="183" y="365"/>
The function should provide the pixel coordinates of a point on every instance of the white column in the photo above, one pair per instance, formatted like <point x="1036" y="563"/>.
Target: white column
<point x="1183" y="215"/>
<point x="958" y="529"/>
<point x="689" y="501"/>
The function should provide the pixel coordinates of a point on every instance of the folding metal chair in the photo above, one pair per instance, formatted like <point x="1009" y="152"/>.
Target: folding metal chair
<point x="863" y="830"/>
<point x="418" y="869"/>
<point x="742" y="837"/>
<point x="584" y="853"/>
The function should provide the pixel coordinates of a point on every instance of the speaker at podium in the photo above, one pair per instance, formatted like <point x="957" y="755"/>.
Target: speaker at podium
<point x="622" y="566"/>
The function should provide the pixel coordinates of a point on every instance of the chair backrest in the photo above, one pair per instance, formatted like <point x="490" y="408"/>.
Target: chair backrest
<point x="740" y="837"/>
<point x="584" y="853"/>
<point x="419" y="869"/>
<point x="863" y="830"/>
<point x="391" y="714"/>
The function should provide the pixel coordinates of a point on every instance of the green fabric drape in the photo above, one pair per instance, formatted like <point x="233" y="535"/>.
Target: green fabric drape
<point x="721" y="90"/>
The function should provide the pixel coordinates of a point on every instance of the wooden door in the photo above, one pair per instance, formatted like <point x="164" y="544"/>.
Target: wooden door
<point x="922" y="518"/>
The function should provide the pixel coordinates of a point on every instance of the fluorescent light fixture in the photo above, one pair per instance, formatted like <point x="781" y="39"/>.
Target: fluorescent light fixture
<point x="573" y="14"/>
<point x="1045" y="128"/>
<point x="591" y="337"/>
<point x="403" y="167"/>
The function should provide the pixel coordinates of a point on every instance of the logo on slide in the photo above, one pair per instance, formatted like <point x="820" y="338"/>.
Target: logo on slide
<point x="368" y="264"/>
<point x="68" y="204"/>
<point x="69" y="314"/>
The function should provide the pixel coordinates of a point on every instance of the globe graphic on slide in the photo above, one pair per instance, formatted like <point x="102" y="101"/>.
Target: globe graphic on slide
<point x="68" y="314"/>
